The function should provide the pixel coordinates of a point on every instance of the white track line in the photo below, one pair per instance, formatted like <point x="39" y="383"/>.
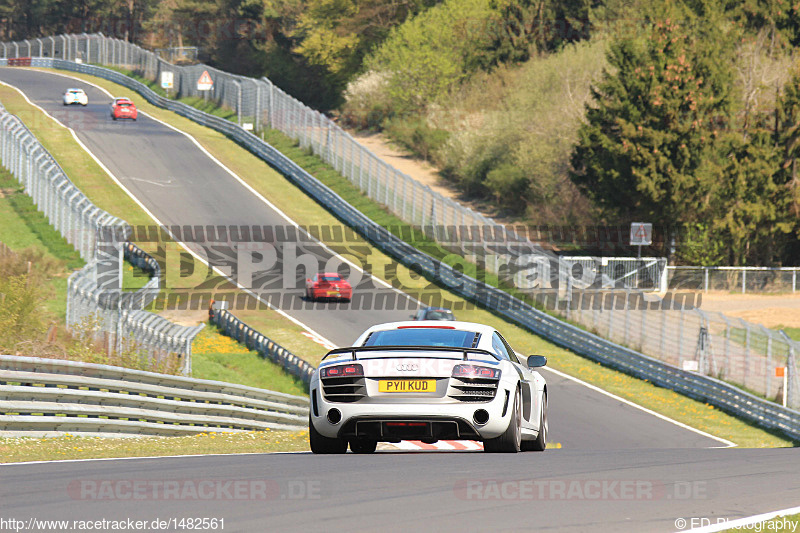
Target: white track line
<point x="742" y="523"/>
<point x="727" y="443"/>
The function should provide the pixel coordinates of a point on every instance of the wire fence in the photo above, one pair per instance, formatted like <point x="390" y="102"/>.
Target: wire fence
<point x="743" y="280"/>
<point x="99" y="239"/>
<point x="736" y="351"/>
<point x="676" y="332"/>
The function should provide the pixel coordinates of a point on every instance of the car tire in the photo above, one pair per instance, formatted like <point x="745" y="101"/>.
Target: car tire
<point x="113" y="117"/>
<point x="511" y="439"/>
<point x="540" y="443"/>
<point x="363" y="445"/>
<point x="321" y="444"/>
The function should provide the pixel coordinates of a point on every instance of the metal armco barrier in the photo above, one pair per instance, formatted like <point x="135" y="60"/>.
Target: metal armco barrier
<point x="253" y="340"/>
<point x="50" y="395"/>
<point x="90" y="304"/>
<point x="704" y="388"/>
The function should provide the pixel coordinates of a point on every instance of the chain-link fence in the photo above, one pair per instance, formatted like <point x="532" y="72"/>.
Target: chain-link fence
<point x="91" y="303"/>
<point x="735" y="279"/>
<point x="730" y="349"/>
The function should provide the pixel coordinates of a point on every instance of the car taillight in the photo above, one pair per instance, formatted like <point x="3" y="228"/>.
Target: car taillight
<point x="472" y="371"/>
<point x="342" y="371"/>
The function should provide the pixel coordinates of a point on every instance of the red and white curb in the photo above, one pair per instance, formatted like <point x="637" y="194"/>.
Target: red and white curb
<point x="439" y="446"/>
<point x="319" y="340"/>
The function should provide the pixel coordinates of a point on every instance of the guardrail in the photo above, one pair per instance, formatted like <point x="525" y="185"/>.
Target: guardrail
<point x="50" y="395"/>
<point x="703" y="388"/>
<point x="266" y="347"/>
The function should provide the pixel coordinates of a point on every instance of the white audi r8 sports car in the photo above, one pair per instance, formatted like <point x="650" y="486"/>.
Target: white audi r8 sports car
<point x="75" y="96"/>
<point x="426" y="381"/>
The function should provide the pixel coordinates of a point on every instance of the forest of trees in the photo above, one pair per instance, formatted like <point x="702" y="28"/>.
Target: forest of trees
<point x="683" y="113"/>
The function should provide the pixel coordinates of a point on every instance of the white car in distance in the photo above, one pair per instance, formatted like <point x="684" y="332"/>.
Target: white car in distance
<point x="428" y="381"/>
<point x="75" y="96"/>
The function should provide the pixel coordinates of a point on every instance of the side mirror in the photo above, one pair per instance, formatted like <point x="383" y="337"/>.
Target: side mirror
<point x="536" y="361"/>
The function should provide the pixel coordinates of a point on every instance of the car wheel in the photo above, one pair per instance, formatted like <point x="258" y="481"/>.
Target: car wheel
<point x="511" y="439"/>
<point x="363" y="445"/>
<point x="322" y="444"/>
<point x="540" y="443"/>
<point x="113" y="117"/>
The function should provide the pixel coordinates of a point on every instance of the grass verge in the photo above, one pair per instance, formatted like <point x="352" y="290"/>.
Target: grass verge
<point x="221" y="358"/>
<point x="18" y="449"/>
<point x="22" y="226"/>
<point x="292" y="201"/>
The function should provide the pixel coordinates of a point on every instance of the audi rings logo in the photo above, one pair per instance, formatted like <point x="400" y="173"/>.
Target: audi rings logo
<point x="407" y="368"/>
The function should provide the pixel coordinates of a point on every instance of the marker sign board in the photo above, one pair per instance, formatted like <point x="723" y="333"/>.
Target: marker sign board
<point x="167" y="80"/>
<point x="205" y="83"/>
<point x="641" y="234"/>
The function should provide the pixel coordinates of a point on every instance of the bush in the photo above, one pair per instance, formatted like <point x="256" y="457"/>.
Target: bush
<point x="427" y="56"/>
<point x="416" y="135"/>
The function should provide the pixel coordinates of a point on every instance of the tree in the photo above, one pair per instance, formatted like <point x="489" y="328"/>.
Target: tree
<point x="648" y="147"/>
<point x="788" y="137"/>
<point x="524" y="27"/>
<point x="747" y="200"/>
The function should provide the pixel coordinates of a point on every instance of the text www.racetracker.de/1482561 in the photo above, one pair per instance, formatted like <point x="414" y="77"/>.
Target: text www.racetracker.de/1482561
<point x="125" y="524"/>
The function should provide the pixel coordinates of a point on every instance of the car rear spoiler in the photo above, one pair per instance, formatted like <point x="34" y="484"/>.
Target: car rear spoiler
<point x="355" y="349"/>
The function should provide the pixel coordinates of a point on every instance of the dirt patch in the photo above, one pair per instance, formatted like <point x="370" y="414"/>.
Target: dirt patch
<point x="185" y="318"/>
<point x="5" y="193"/>
<point x="768" y="310"/>
<point x="424" y="172"/>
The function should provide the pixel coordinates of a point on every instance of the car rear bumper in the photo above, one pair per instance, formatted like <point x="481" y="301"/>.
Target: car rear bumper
<point x="440" y="420"/>
<point x="319" y="294"/>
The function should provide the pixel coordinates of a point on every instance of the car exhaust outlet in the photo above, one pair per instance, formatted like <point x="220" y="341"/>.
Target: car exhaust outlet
<point x="480" y="417"/>
<point x="334" y="416"/>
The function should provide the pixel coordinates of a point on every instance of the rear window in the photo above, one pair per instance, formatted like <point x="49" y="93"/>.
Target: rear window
<point x="439" y="314"/>
<point x="75" y="91"/>
<point x="330" y="278"/>
<point x="124" y="104"/>
<point x="453" y="338"/>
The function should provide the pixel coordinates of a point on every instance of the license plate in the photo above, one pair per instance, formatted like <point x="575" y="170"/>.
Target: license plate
<point x="333" y="293"/>
<point x="407" y="385"/>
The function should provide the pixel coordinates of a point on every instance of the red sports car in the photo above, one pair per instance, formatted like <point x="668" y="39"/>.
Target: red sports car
<point x="328" y="285"/>
<point x="123" y="108"/>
